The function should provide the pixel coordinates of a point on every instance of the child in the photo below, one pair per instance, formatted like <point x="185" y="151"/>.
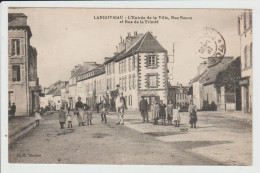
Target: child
<point x="69" y="118"/>
<point x="62" y="117"/>
<point x="162" y="112"/>
<point x="89" y="115"/>
<point x="103" y="113"/>
<point x="176" y="116"/>
<point x="169" y="110"/>
<point x="37" y="116"/>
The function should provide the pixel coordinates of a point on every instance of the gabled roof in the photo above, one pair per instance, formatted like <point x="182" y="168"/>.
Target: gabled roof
<point x="212" y="72"/>
<point x="147" y="44"/>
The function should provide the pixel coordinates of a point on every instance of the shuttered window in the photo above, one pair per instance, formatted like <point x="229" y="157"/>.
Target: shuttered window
<point x="10" y="73"/>
<point x="15" y="47"/>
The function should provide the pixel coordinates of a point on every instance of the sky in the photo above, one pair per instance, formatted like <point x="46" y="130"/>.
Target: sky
<point x="65" y="37"/>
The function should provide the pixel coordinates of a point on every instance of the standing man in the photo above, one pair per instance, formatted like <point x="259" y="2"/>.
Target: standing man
<point x="13" y="110"/>
<point x="143" y="107"/>
<point x="193" y="114"/>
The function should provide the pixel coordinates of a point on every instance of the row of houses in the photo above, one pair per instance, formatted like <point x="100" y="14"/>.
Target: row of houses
<point x="139" y="67"/>
<point x="228" y="84"/>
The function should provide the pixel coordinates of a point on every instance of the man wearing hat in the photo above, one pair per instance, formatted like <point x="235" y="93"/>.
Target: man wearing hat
<point x="143" y="107"/>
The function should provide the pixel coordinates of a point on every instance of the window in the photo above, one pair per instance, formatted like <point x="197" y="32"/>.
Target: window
<point x="133" y="63"/>
<point x="120" y="80"/>
<point x="125" y="66"/>
<point x="130" y="81"/>
<point x="129" y="64"/>
<point x="244" y="21"/>
<point x="15" y="47"/>
<point x="152" y="81"/>
<point x="133" y="81"/>
<point x="251" y="55"/>
<point x="245" y="56"/>
<point x="250" y="18"/>
<point x="130" y="100"/>
<point x="151" y="60"/>
<point x="16" y="73"/>
<point x="125" y="82"/>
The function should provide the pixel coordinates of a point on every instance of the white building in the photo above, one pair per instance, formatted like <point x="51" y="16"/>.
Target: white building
<point x="246" y="82"/>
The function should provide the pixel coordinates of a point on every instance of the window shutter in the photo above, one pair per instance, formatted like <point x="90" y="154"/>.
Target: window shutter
<point x="238" y="23"/>
<point x="245" y="27"/>
<point x="9" y="47"/>
<point x="22" y="73"/>
<point x="22" y="46"/>
<point x="10" y="73"/>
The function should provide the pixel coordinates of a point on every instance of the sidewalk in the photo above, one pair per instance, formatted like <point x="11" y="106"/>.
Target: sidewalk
<point x="18" y="126"/>
<point x="222" y="136"/>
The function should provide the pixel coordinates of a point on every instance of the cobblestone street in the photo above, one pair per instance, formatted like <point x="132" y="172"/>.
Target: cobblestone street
<point x="138" y="143"/>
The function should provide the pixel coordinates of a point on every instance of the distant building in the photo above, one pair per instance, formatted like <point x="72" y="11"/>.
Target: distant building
<point x="53" y="95"/>
<point x="23" y="85"/>
<point x="73" y="85"/>
<point x="246" y="82"/>
<point x="178" y="95"/>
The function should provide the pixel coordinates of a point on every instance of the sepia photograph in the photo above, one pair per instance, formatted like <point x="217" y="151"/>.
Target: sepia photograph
<point x="130" y="86"/>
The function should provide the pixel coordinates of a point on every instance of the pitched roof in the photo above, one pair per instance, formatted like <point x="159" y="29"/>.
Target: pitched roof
<point x="57" y="93"/>
<point x="212" y="72"/>
<point x="50" y="92"/>
<point x="198" y="76"/>
<point x="147" y="44"/>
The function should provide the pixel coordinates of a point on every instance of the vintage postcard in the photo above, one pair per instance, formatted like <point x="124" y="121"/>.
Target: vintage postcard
<point x="130" y="86"/>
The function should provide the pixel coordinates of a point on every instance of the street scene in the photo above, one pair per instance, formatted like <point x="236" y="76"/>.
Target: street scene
<point x="161" y="87"/>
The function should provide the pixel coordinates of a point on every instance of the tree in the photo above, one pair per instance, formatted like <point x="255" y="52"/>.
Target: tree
<point x="229" y="78"/>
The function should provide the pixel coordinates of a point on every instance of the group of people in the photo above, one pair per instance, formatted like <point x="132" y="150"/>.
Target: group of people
<point x="84" y="115"/>
<point x="169" y="113"/>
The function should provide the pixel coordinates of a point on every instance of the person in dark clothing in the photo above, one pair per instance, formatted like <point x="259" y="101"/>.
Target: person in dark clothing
<point x="193" y="114"/>
<point x="79" y="107"/>
<point x="13" y="110"/>
<point x="79" y="104"/>
<point x="143" y="107"/>
<point x="162" y="112"/>
<point x="62" y="117"/>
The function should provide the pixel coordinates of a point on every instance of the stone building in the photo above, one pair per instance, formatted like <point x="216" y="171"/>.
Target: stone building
<point x="246" y="82"/>
<point x="23" y="86"/>
<point x="140" y="69"/>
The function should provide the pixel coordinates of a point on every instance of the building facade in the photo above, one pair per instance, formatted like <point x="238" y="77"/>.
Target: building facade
<point x="139" y="68"/>
<point x="246" y="82"/>
<point x="23" y="85"/>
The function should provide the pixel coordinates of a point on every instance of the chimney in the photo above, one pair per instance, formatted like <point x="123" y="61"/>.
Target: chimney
<point x="135" y="33"/>
<point x="121" y="39"/>
<point x="121" y="46"/>
<point x="106" y="59"/>
<point x="129" y="34"/>
<point x="202" y="67"/>
<point x="77" y="67"/>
